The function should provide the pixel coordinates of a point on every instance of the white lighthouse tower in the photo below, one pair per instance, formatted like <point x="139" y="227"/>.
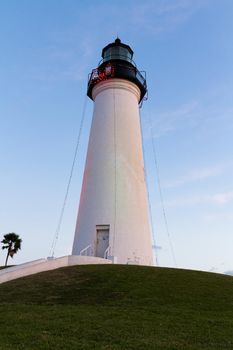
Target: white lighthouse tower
<point x="113" y="220"/>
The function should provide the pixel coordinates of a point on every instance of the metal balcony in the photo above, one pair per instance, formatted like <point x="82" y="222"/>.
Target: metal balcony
<point x="117" y="70"/>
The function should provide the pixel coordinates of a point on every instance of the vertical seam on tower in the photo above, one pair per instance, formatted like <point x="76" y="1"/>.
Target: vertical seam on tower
<point x="115" y="170"/>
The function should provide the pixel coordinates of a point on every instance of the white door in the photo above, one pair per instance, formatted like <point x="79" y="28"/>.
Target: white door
<point x="102" y="241"/>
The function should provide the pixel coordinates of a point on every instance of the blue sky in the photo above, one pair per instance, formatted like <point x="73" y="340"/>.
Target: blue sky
<point x="48" y="48"/>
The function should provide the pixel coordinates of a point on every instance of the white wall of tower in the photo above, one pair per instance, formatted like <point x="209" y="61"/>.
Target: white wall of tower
<point x="114" y="189"/>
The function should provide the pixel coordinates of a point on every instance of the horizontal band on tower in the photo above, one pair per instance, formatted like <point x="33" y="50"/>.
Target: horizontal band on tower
<point x="116" y="84"/>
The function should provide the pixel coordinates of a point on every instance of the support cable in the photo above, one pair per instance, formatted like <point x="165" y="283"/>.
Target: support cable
<point x="161" y="195"/>
<point x="57" y="232"/>
<point x="148" y="196"/>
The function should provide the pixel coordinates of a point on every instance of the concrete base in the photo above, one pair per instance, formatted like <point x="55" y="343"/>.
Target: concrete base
<point x="41" y="265"/>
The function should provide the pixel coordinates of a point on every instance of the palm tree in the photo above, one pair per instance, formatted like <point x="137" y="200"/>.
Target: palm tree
<point x="12" y="243"/>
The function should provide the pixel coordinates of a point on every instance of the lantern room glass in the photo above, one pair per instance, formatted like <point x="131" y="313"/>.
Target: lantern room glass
<point x="117" y="53"/>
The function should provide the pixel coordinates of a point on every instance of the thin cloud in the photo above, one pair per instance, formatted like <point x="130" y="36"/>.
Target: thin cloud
<point x="199" y="114"/>
<point x="196" y="175"/>
<point x="219" y="216"/>
<point x="161" y="123"/>
<point x="70" y="52"/>
<point x="65" y="61"/>
<point x="214" y="199"/>
<point x="222" y="198"/>
<point x="163" y="16"/>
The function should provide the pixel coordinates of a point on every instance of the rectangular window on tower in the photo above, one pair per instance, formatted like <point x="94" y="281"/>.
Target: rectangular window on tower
<point x="102" y="240"/>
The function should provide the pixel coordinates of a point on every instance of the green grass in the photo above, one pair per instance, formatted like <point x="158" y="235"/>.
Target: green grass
<point x="116" y="307"/>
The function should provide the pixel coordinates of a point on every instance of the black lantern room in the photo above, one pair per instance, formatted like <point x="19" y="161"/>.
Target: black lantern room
<point x="117" y="62"/>
<point x="117" y="51"/>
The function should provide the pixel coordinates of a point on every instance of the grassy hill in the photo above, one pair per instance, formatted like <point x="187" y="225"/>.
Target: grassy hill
<point x="116" y="307"/>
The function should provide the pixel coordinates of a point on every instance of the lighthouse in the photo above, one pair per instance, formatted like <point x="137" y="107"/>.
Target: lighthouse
<point x="113" y="217"/>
